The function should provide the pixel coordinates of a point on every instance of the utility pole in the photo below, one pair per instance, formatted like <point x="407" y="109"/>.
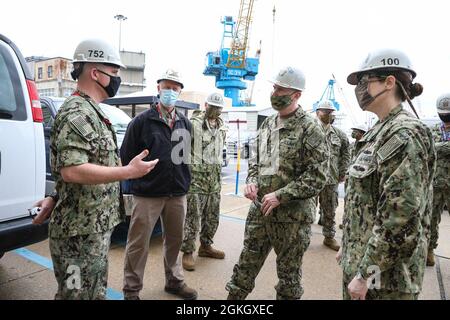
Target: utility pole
<point x="120" y="18"/>
<point x="274" y="11"/>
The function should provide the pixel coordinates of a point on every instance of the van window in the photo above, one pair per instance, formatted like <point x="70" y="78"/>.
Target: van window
<point x="47" y="115"/>
<point x="12" y="103"/>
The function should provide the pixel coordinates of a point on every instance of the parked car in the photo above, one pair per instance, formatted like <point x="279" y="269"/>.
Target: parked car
<point x="51" y="105"/>
<point x="22" y="151"/>
<point x="119" y="120"/>
<point x="225" y="157"/>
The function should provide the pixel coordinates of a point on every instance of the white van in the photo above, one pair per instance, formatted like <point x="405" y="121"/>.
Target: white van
<point x="22" y="151"/>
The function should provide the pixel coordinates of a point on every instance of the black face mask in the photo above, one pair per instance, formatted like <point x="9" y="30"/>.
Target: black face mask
<point x="444" y="117"/>
<point x="362" y="93"/>
<point x="113" y="86"/>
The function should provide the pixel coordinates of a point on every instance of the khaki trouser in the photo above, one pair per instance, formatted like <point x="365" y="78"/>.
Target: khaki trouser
<point x="145" y="214"/>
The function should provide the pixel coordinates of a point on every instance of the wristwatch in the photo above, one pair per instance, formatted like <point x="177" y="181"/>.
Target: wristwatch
<point x="54" y="195"/>
<point x="359" y="276"/>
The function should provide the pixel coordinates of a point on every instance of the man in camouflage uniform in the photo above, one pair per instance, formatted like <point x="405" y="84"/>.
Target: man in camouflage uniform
<point x="203" y="199"/>
<point x="86" y="167"/>
<point x="339" y="161"/>
<point x="386" y="221"/>
<point x="358" y="132"/>
<point x="286" y="173"/>
<point x="441" y="185"/>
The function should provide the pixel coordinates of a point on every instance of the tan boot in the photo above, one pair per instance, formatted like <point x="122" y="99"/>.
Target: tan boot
<point x="331" y="243"/>
<point x="430" y="258"/>
<point x="209" y="252"/>
<point x="188" y="262"/>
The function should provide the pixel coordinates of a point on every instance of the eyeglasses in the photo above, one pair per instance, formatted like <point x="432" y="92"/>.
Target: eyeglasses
<point x="369" y="78"/>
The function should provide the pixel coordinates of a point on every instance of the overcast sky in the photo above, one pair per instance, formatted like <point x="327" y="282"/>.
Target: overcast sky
<point x="321" y="37"/>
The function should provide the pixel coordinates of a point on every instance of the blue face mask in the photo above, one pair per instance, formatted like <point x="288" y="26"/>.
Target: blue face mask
<point x="168" y="97"/>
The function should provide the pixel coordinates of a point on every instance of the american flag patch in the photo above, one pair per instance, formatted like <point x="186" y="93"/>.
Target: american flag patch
<point x="83" y="127"/>
<point x="389" y="147"/>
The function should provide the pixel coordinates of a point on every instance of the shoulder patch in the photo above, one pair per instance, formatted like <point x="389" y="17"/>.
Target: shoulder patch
<point x="390" y="147"/>
<point x="313" y="140"/>
<point x="80" y="124"/>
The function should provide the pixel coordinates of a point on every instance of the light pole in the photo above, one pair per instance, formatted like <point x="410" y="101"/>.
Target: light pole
<point x="121" y="18"/>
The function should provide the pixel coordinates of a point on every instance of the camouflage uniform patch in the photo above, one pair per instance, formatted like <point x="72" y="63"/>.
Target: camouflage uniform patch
<point x="80" y="124"/>
<point x="389" y="148"/>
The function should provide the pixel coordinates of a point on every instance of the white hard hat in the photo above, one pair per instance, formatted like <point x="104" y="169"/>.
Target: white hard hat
<point x="385" y="59"/>
<point x="97" y="51"/>
<point x="443" y="104"/>
<point x="360" y="127"/>
<point x="290" y="78"/>
<point x="171" y="75"/>
<point x="215" y="99"/>
<point x="326" y="105"/>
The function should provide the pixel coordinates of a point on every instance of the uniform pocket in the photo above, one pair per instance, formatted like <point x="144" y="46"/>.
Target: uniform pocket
<point x="289" y="148"/>
<point x="107" y="149"/>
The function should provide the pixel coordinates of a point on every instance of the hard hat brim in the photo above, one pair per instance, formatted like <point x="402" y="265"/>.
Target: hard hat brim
<point x="359" y="129"/>
<point x="116" y="64"/>
<point x="353" y="77"/>
<point x="159" y="80"/>
<point x="214" y="104"/>
<point x="285" y="85"/>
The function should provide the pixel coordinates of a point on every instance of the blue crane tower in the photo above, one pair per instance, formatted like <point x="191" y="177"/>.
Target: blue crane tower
<point x="230" y="65"/>
<point x="328" y="94"/>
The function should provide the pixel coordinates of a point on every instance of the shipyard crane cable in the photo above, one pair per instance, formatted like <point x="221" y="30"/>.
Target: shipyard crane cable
<point x="348" y="105"/>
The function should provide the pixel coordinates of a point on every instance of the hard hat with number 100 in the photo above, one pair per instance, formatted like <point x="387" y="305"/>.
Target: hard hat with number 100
<point x="385" y="59"/>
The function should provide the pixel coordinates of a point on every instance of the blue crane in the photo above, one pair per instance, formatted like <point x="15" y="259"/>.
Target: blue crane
<point x="328" y="94"/>
<point x="230" y="65"/>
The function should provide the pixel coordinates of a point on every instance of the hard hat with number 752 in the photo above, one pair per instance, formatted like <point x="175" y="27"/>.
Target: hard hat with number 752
<point x="384" y="59"/>
<point x="97" y="51"/>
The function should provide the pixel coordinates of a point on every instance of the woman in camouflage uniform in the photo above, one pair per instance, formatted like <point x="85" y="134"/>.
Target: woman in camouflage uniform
<point x="386" y="218"/>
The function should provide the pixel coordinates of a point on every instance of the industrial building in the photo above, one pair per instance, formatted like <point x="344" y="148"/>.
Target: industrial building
<point x="52" y="75"/>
